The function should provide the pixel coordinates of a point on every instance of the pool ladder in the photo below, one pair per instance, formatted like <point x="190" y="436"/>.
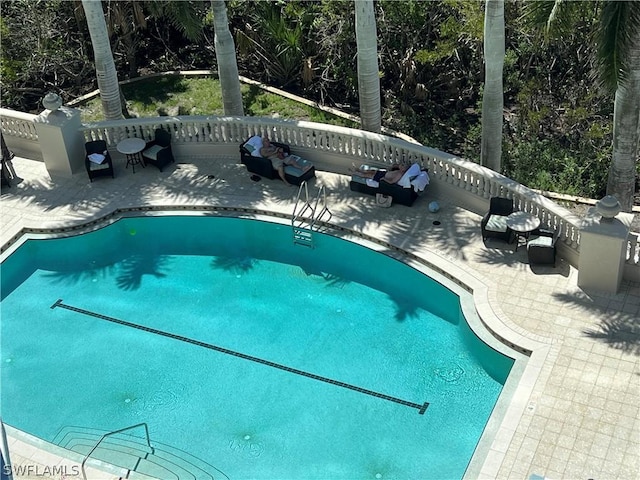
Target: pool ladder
<point x="307" y="214"/>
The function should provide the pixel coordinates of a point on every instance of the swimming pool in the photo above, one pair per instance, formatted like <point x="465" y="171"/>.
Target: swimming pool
<point x="264" y="359"/>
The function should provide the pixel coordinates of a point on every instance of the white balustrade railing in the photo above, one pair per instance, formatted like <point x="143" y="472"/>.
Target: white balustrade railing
<point x="19" y="131"/>
<point x="341" y="142"/>
<point x="18" y="124"/>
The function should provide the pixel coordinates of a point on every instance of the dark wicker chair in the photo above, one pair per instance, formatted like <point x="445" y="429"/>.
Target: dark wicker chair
<point x="494" y="223"/>
<point x="158" y="151"/>
<point x="541" y="247"/>
<point x="103" y="169"/>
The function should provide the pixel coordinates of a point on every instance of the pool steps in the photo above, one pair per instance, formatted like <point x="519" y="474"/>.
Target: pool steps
<point x="303" y="236"/>
<point x="131" y="453"/>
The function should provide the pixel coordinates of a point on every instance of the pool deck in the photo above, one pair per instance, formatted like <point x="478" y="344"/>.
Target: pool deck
<point x="578" y="414"/>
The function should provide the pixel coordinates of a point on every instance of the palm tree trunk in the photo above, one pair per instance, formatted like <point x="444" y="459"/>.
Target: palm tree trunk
<point x="492" y="98"/>
<point x="105" y="66"/>
<point x="368" y="74"/>
<point x="227" y="63"/>
<point x="626" y="130"/>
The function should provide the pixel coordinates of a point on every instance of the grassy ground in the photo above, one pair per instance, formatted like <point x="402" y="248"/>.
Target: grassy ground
<point x="175" y="95"/>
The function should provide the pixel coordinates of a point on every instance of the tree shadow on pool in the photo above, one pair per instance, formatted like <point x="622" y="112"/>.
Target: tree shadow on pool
<point x="234" y="264"/>
<point x="79" y="276"/>
<point x="335" y="281"/>
<point x="332" y="280"/>
<point x="405" y="309"/>
<point x="137" y="266"/>
<point x="129" y="272"/>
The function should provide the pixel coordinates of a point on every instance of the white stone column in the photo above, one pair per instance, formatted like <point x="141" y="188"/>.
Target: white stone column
<point x="603" y="246"/>
<point x="61" y="141"/>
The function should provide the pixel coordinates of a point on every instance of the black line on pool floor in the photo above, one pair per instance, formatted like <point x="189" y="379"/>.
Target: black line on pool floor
<point x="421" y="408"/>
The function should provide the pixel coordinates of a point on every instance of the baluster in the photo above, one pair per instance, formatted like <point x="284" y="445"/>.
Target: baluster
<point x="442" y="170"/>
<point x="472" y="182"/>
<point x="633" y="249"/>
<point x="467" y="179"/>
<point x="191" y="132"/>
<point x="200" y="132"/>
<point x="218" y="132"/>
<point x="453" y="175"/>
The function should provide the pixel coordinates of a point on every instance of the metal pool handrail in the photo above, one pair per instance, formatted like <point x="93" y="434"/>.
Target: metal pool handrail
<point x="317" y="215"/>
<point x="4" y="449"/>
<point x="146" y="432"/>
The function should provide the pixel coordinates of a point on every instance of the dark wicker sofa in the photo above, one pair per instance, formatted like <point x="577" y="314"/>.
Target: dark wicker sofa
<point x="262" y="166"/>
<point x="401" y="195"/>
<point x="402" y="192"/>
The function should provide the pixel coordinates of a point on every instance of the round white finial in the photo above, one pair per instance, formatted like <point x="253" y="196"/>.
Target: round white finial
<point x="52" y="101"/>
<point x="608" y="207"/>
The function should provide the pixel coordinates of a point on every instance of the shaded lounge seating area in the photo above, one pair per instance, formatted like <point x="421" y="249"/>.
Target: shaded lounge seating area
<point x="158" y="151"/>
<point x="97" y="160"/>
<point x="251" y="157"/>
<point x="404" y="192"/>
<point x="494" y="222"/>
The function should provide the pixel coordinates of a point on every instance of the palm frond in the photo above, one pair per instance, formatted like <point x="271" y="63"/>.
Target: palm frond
<point x="138" y="14"/>
<point x="554" y="17"/>
<point x="619" y="29"/>
<point x="279" y="42"/>
<point x="187" y="17"/>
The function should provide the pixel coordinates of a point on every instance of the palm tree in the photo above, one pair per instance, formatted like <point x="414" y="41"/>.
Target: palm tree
<point x="106" y="73"/>
<point x="226" y="59"/>
<point x="492" y="97"/>
<point x="619" y="54"/>
<point x="278" y="42"/>
<point x="368" y="74"/>
<point x="617" y="35"/>
<point x="127" y="22"/>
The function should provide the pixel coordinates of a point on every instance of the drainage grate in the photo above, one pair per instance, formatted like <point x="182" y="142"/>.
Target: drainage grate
<point x="421" y="408"/>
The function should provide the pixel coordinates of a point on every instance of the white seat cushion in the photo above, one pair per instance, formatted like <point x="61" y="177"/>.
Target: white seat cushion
<point x="296" y="172"/>
<point x="98" y="166"/>
<point x="152" y="152"/>
<point x="541" y="241"/>
<point x="496" y="223"/>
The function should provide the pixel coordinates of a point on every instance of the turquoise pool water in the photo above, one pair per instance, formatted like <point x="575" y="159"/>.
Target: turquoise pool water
<point x="264" y="359"/>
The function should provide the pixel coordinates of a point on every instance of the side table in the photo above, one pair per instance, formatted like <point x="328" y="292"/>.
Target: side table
<point x="522" y="223"/>
<point x="131" y="147"/>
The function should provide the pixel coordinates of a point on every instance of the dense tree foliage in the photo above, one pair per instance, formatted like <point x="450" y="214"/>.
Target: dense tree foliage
<point x="557" y="131"/>
<point x="42" y="49"/>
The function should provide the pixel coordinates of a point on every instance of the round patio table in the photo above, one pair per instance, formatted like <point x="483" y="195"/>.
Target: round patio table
<point x="522" y="223"/>
<point x="131" y="147"/>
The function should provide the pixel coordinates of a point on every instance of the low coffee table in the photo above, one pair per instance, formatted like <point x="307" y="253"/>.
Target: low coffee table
<point x="522" y="223"/>
<point x="132" y="147"/>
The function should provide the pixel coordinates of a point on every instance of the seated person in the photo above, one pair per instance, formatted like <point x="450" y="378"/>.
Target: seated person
<point x="388" y="176"/>
<point x="279" y="158"/>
